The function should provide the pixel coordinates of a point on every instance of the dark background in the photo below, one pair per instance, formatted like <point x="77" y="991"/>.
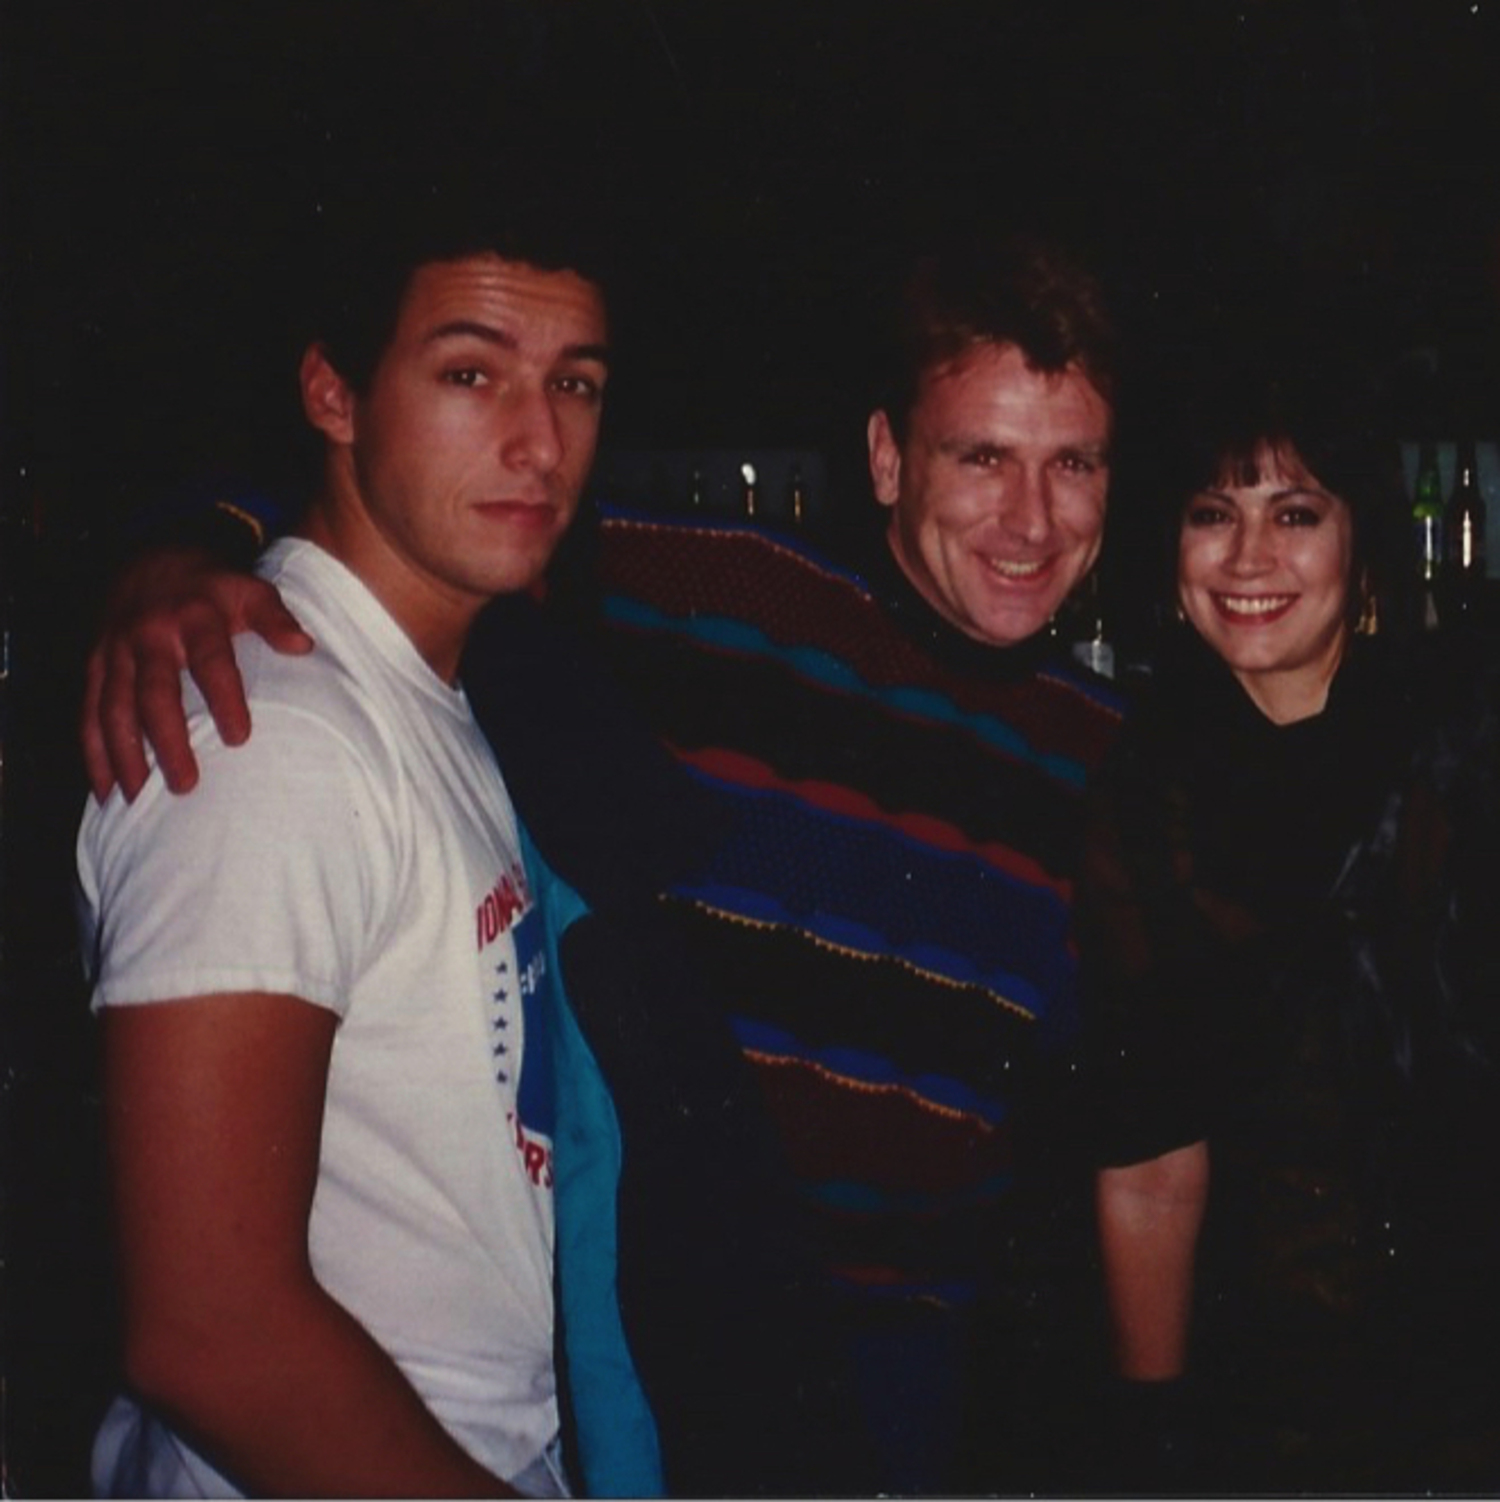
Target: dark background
<point x="164" y="166"/>
<point x="166" y="162"/>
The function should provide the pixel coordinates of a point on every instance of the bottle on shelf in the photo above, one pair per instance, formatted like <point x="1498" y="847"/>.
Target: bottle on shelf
<point x="747" y="491"/>
<point x="796" y="494"/>
<point x="1427" y="525"/>
<point x="1088" y="634"/>
<point x="1463" y="532"/>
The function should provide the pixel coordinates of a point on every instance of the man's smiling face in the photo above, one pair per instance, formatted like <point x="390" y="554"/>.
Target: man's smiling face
<point x="997" y="494"/>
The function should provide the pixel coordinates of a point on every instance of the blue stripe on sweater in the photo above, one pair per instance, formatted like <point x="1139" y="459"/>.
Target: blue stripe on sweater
<point x="848" y="883"/>
<point x="867" y="1068"/>
<point x="813" y="664"/>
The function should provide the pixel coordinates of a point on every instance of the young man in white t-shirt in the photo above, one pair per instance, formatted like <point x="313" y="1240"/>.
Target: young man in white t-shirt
<point x="325" y="979"/>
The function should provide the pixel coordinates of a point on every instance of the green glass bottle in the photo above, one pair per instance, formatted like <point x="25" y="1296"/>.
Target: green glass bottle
<point x="1427" y="524"/>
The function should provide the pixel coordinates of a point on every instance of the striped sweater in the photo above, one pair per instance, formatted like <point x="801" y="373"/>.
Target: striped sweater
<point x="890" y="917"/>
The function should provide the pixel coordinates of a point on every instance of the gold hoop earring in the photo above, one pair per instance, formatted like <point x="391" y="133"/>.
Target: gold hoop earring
<point x="1367" y="622"/>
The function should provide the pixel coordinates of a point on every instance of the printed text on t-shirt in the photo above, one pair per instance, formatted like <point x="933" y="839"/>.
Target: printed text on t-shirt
<point x="503" y="904"/>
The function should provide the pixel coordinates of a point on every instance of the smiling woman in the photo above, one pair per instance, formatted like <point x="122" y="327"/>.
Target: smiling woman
<point x="1263" y="575"/>
<point x="1287" y="947"/>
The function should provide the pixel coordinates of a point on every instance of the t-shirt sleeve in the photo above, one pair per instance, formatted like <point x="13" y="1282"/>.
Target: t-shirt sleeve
<point x="274" y="874"/>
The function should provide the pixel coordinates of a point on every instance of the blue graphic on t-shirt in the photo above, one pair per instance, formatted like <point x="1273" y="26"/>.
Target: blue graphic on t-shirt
<point x="533" y="1117"/>
<point x="536" y="1097"/>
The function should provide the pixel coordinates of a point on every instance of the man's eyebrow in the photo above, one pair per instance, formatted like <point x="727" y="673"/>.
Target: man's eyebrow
<point x="969" y="443"/>
<point x="467" y="328"/>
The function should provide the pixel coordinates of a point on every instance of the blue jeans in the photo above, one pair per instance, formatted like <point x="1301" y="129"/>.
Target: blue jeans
<point x="908" y="1361"/>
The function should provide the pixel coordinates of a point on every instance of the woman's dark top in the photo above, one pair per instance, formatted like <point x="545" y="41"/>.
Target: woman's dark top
<point x="1290" y="938"/>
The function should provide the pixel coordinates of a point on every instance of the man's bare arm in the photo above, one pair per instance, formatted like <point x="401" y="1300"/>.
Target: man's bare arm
<point x="1149" y="1218"/>
<point x="172" y="609"/>
<point x="214" y="1108"/>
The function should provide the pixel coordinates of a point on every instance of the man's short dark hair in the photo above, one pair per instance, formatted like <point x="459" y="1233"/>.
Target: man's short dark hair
<point x="1013" y="289"/>
<point x="374" y="235"/>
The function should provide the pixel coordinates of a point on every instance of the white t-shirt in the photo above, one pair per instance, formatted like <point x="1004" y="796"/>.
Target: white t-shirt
<point x="361" y="852"/>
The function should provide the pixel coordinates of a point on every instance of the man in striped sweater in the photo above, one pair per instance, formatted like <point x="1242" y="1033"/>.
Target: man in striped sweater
<point x="903" y="756"/>
<point x="899" y="758"/>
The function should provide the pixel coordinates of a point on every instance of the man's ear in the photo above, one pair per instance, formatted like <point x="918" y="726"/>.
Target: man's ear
<point x="885" y="458"/>
<point x="327" y="401"/>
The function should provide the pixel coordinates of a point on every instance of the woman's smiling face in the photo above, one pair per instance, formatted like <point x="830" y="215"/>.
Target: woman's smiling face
<point x="1263" y="574"/>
